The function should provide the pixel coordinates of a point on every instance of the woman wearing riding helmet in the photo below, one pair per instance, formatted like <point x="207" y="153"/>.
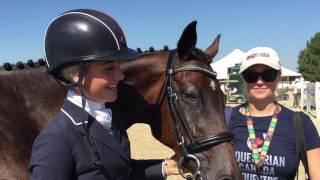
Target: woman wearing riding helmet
<point x="265" y="142"/>
<point x="87" y="138"/>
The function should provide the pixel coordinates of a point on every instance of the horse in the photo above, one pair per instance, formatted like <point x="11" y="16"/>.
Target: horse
<point x="26" y="106"/>
<point x="180" y="85"/>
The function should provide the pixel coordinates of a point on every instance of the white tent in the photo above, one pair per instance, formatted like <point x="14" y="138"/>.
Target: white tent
<point x="235" y="57"/>
<point x="288" y="72"/>
<point x="221" y="66"/>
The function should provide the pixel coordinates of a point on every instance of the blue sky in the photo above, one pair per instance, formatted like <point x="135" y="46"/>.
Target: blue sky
<point x="285" y="25"/>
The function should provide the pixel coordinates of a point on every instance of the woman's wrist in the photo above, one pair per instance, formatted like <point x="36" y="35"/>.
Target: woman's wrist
<point x="165" y="168"/>
<point x="169" y="167"/>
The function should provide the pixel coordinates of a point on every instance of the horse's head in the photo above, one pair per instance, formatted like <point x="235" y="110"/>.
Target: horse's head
<point x="191" y="105"/>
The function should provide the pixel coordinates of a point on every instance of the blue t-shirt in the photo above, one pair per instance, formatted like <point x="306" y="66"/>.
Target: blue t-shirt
<point x="282" y="161"/>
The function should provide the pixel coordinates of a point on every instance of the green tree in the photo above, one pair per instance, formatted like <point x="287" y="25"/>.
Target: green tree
<point x="309" y="59"/>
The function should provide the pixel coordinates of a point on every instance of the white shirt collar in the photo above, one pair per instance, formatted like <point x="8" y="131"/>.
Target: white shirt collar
<point x="97" y="110"/>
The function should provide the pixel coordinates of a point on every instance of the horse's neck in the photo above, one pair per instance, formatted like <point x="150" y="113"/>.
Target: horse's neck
<point x="32" y="91"/>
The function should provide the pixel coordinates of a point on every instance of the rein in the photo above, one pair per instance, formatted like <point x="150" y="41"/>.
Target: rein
<point x="195" y="145"/>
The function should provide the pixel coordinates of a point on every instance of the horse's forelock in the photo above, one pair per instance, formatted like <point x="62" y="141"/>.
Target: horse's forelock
<point x="198" y="54"/>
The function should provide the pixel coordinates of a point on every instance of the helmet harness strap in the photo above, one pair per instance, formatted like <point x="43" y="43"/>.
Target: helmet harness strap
<point x="95" y="156"/>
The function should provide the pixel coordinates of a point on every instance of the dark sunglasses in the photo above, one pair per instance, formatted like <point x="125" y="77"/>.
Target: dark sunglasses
<point x="268" y="75"/>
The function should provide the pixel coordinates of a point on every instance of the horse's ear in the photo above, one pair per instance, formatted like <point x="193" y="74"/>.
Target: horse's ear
<point x="212" y="50"/>
<point x="187" y="40"/>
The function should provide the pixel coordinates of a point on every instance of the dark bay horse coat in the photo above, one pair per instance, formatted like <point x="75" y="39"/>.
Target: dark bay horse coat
<point x="61" y="151"/>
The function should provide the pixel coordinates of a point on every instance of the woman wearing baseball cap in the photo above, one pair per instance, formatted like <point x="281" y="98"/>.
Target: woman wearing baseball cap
<point x="265" y="138"/>
<point x="87" y="138"/>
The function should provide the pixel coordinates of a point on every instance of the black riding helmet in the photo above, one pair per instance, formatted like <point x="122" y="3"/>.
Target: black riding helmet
<point x="81" y="36"/>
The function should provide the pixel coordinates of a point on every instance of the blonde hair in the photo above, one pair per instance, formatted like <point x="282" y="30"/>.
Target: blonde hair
<point x="71" y="73"/>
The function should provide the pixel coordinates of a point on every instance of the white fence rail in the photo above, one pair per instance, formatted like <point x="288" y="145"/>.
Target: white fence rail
<point x="310" y="98"/>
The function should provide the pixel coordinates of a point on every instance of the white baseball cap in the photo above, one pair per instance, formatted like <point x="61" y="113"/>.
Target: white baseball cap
<point x="260" y="55"/>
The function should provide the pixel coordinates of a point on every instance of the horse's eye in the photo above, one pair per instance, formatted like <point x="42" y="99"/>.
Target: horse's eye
<point x="190" y="97"/>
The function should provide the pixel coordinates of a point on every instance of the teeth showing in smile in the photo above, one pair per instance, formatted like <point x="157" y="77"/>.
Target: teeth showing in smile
<point x="112" y="87"/>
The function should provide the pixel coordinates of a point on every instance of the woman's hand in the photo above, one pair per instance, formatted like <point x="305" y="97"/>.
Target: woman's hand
<point x="170" y="167"/>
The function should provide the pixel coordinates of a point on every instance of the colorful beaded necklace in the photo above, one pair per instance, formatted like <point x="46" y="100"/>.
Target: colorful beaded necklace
<point x="259" y="158"/>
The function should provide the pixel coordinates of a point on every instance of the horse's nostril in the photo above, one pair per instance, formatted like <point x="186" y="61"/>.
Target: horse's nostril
<point x="226" y="178"/>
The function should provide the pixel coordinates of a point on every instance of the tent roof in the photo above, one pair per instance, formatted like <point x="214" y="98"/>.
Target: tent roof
<point x="221" y="66"/>
<point x="288" y="72"/>
<point x="235" y="57"/>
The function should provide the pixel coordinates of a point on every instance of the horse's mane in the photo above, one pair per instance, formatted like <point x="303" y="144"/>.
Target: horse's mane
<point x="21" y="65"/>
<point x="152" y="50"/>
<point x="194" y="53"/>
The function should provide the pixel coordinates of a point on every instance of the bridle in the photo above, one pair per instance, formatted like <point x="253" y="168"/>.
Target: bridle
<point x="195" y="145"/>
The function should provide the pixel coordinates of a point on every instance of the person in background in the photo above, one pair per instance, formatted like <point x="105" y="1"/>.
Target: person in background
<point x="265" y="143"/>
<point x="234" y="90"/>
<point x="228" y="90"/>
<point x="87" y="138"/>
<point x="296" y="91"/>
<point x="223" y="88"/>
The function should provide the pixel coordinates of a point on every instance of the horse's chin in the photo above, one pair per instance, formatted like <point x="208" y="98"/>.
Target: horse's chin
<point x="214" y="177"/>
<point x="218" y="178"/>
<point x="221" y="167"/>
